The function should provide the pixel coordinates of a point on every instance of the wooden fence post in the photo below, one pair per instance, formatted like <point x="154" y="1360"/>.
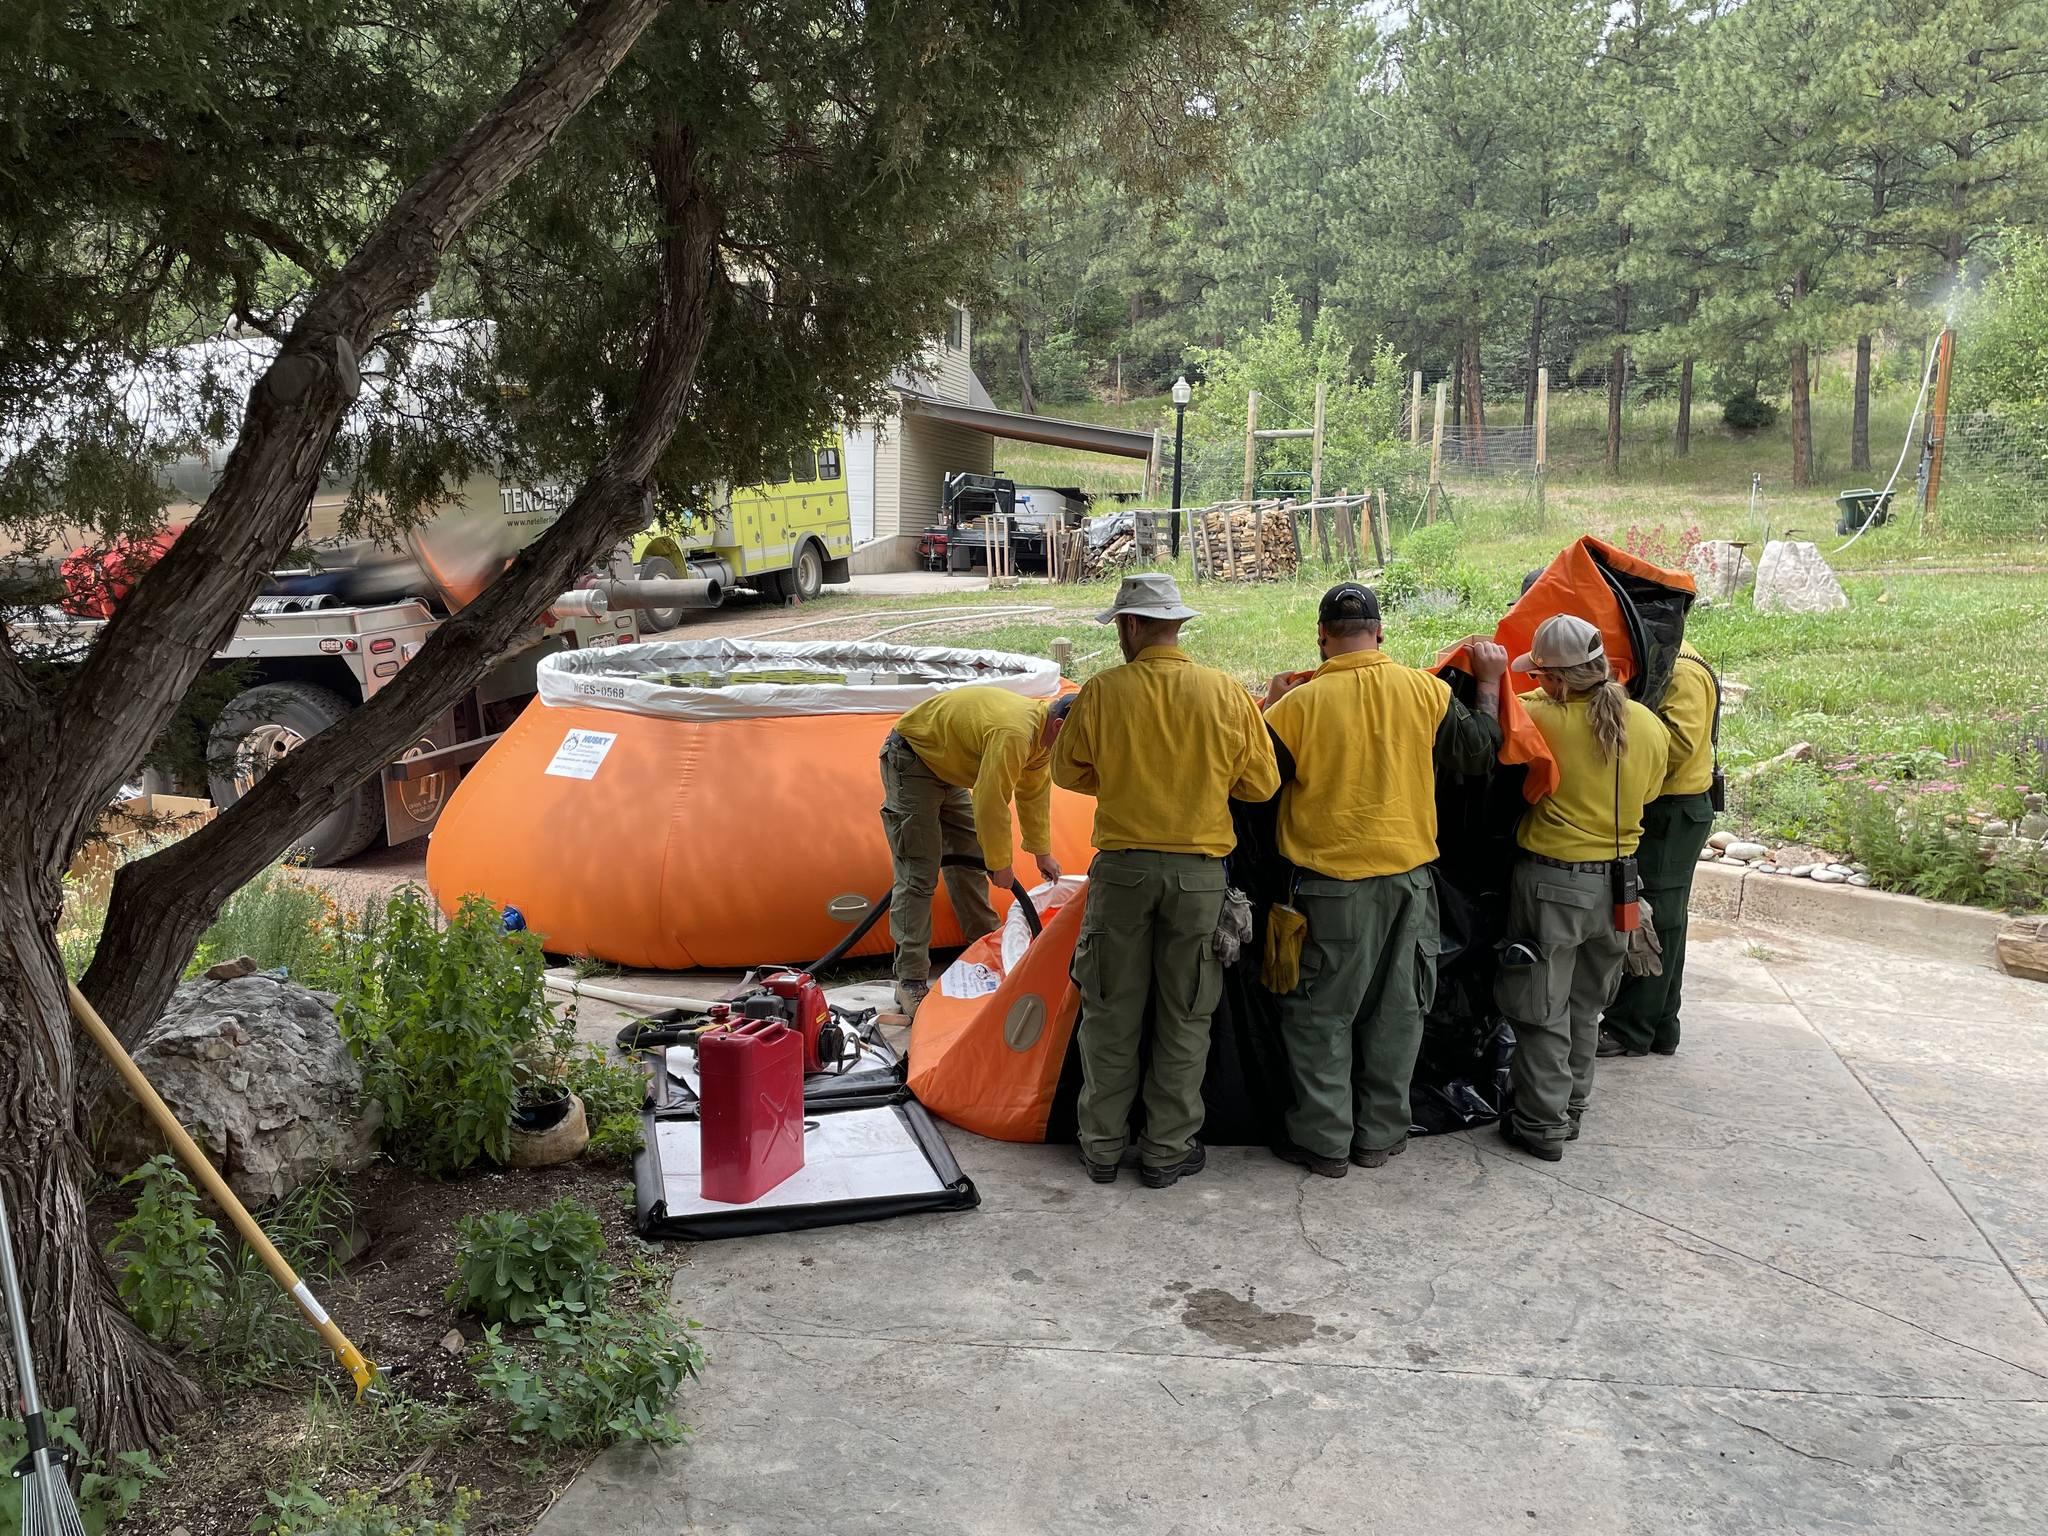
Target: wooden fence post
<point x="1542" y="438"/>
<point x="1315" y="470"/>
<point x="1251" y="441"/>
<point x="1436" y="460"/>
<point x="1415" y="409"/>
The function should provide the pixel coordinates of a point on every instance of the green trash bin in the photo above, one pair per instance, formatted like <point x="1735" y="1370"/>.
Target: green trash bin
<point x="1860" y="507"/>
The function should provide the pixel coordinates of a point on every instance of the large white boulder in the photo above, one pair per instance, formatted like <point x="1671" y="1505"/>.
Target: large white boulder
<point x="255" y="1069"/>
<point x="1793" y="578"/>
<point x="1720" y="569"/>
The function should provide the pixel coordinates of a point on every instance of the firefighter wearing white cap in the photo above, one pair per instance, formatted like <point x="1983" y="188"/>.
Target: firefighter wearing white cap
<point x="1164" y="746"/>
<point x="1566" y="945"/>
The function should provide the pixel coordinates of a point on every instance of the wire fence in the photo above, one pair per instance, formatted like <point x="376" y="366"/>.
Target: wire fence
<point x="1994" y="479"/>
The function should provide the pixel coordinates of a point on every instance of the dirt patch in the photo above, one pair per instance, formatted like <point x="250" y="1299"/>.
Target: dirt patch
<point x="1238" y="1322"/>
<point x="390" y="1300"/>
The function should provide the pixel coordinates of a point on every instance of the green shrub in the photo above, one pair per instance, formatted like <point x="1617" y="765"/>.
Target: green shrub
<point x="599" y="1377"/>
<point x="1932" y="852"/>
<point x="1747" y="411"/>
<point x="163" y="1255"/>
<point x="105" y="1495"/>
<point x="79" y="927"/>
<point x="1792" y="802"/>
<point x="278" y="921"/>
<point x="511" y="1267"/>
<point x="607" y="1088"/>
<point x="450" y="1026"/>
<point x="300" y="1511"/>
<point x="615" y="1139"/>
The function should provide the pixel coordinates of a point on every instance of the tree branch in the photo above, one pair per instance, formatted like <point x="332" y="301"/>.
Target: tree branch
<point x="187" y="606"/>
<point x="162" y="904"/>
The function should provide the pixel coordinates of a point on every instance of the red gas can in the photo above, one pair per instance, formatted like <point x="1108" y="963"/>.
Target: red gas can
<point x="750" y="1108"/>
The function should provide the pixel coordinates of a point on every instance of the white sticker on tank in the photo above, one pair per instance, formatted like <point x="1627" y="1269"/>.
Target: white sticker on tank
<point x="580" y="754"/>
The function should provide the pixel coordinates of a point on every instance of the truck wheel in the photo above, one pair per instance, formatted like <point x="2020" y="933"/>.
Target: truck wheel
<point x="772" y="585"/>
<point x="660" y="568"/>
<point x="257" y="729"/>
<point x="809" y="572"/>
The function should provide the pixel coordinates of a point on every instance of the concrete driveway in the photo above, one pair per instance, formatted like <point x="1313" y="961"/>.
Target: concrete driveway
<point x="1791" y="1280"/>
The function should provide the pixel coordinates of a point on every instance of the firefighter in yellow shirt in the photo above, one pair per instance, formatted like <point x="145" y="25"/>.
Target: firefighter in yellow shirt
<point x="1164" y="746"/>
<point x="950" y="771"/>
<point x="1359" y="746"/>
<point x="1644" y="1015"/>
<point x="1563" y="960"/>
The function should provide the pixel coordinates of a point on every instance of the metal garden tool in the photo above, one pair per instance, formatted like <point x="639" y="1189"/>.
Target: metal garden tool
<point x="47" y="1508"/>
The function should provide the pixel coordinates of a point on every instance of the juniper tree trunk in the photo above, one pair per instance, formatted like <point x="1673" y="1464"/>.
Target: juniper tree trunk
<point x="63" y="754"/>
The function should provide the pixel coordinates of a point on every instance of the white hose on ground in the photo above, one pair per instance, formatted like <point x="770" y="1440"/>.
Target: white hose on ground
<point x="1904" y="448"/>
<point x="934" y="616"/>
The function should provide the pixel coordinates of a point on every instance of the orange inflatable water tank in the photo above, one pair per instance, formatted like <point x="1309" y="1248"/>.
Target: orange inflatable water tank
<point x="709" y="803"/>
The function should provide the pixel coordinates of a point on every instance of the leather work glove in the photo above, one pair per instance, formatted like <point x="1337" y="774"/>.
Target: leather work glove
<point x="1233" y="926"/>
<point x="1645" y="955"/>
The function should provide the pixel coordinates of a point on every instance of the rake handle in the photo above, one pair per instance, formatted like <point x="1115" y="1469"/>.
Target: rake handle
<point x="216" y="1187"/>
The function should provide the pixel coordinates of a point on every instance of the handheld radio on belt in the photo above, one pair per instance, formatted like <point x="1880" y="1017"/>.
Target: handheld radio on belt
<point x="1623" y="873"/>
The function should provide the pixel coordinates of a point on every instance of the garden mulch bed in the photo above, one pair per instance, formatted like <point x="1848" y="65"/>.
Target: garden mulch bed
<point x="390" y="1300"/>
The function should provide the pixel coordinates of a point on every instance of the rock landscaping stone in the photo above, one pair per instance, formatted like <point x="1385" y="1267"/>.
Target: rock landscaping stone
<point x="1859" y="880"/>
<point x="1710" y="852"/>
<point x="1799" y="871"/>
<point x="1830" y="876"/>
<point x="1997" y="828"/>
<point x="2023" y="948"/>
<point x="2034" y="826"/>
<point x="1793" y="578"/>
<point x="1720" y="840"/>
<point x="1720" y="569"/>
<point x="255" y="1069"/>
<point x="1841" y="869"/>
<point x="1747" y="853"/>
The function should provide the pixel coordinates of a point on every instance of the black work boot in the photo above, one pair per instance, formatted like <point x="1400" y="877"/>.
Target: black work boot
<point x="1301" y="1157"/>
<point x="1548" y="1151"/>
<point x="1191" y="1163"/>
<point x="1101" y="1173"/>
<point x="1614" y="1045"/>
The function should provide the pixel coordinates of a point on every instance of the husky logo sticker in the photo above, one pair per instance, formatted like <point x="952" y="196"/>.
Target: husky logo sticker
<point x="581" y="754"/>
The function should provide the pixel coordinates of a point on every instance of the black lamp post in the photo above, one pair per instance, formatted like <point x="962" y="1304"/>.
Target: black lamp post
<point x="1182" y="394"/>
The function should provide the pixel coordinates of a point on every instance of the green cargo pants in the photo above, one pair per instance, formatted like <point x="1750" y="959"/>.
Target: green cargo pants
<point x="1554" y="996"/>
<point x="1353" y="1024"/>
<point x="924" y="818"/>
<point x="1146" y="941"/>
<point x="1675" y="828"/>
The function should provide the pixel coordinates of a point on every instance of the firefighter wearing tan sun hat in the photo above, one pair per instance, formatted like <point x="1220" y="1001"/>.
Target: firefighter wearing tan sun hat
<point x="1573" y="895"/>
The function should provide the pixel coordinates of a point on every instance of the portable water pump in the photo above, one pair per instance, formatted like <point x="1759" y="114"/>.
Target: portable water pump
<point x="797" y="1000"/>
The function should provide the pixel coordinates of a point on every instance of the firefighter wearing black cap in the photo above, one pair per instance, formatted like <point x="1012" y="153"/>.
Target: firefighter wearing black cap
<point x="1359" y="743"/>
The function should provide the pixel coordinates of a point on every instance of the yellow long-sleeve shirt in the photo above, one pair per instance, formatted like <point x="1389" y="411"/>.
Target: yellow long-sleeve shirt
<point x="1362" y="733"/>
<point x="988" y="740"/>
<point x="1578" y="821"/>
<point x="1163" y="745"/>
<point x="1688" y="713"/>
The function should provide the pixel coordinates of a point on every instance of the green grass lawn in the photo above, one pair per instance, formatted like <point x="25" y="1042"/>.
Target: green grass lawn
<point x="1937" y="672"/>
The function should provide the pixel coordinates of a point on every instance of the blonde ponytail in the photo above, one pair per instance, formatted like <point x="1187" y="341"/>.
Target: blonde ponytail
<point x="1606" y="704"/>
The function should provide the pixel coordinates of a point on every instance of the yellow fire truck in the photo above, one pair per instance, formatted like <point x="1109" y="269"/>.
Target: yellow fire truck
<point x="784" y="539"/>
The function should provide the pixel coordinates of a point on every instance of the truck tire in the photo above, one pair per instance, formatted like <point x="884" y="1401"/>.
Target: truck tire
<point x="261" y="726"/>
<point x="808" y="574"/>
<point x="772" y="585"/>
<point x="660" y="568"/>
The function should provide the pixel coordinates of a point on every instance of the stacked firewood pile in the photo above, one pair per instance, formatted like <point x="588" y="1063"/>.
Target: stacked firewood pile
<point x="1073" y="560"/>
<point x="1247" y="541"/>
